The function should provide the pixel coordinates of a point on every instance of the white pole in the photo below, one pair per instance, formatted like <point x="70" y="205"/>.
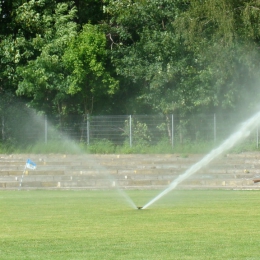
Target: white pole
<point x="87" y="129"/>
<point x="257" y="136"/>
<point x="130" y="130"/>
<point x="172" y="131"/>
<point x="215" y="130"/>
<point x="3" y="128"/>
<point x="45" y="129"/>
<point x="22" y="177"/>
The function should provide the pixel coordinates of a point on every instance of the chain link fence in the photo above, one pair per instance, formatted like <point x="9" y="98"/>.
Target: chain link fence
<point x="26" y="126"/>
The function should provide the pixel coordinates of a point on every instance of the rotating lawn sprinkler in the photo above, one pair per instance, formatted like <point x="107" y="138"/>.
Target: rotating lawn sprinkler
<point x="139" y="207"/>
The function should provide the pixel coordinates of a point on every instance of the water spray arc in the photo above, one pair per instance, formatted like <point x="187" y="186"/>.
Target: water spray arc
<point x="91" y="160"/>
<point x="242" y="133"/>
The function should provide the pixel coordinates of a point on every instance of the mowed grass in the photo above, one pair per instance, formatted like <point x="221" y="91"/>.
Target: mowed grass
<point x="102" y="225"/>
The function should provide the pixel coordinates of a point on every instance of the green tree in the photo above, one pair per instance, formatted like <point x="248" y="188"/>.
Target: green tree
<point x="43" y="77"/>
<point x="147" y="51"/>
<point x="87" y="59"/>
<point x="224" y="38"/>
<point x="59" y="69"/>
<point x="187" y="56"/>
<point x="89" y="11"/>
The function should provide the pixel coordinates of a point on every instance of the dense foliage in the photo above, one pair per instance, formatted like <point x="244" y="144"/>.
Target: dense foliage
<point x="130" y="56"/>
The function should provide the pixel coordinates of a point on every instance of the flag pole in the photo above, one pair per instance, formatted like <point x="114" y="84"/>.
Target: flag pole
<point x="22" y="176"/>
<point x="30" y="165"/>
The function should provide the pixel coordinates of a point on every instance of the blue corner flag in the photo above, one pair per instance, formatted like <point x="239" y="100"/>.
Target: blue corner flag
<point x="30" y="165"/>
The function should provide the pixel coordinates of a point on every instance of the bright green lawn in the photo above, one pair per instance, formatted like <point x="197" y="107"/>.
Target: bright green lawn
<point x="101" y="225"/>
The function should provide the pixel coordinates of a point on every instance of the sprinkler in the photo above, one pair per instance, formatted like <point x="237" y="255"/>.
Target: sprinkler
<point x="139" y="207"/>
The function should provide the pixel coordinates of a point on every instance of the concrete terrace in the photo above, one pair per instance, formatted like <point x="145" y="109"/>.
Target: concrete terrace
<point x="230" y="171"/>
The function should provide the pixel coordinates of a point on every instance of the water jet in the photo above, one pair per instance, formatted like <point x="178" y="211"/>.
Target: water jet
<point x="243" y="132"/>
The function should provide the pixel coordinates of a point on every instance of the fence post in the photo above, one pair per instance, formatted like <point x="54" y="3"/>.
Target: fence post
<point x="257" y="136"/>
<point x="45" y="129"/>
<point x="88" y="127"/>
<point x="3" y="128"/>
<point x="130" y="130"/>
<point x="215" y="128"/>
<point x="172" y="131"/>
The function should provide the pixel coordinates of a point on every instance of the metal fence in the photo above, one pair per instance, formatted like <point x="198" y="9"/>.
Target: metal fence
<point x="29" y="127"/>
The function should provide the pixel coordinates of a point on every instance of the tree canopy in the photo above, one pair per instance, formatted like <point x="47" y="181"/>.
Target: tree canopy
<point x="130" y="56"/>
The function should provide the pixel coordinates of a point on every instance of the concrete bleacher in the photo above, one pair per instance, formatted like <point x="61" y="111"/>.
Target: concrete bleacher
<point x="229" y="171"/>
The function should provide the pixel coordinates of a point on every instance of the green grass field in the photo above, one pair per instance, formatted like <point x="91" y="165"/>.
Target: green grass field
<point x="102" y="225"/>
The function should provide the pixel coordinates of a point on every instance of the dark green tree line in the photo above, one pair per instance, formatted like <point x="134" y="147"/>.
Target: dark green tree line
<point x="186" y="56"/>
<point x="130" y="56"/>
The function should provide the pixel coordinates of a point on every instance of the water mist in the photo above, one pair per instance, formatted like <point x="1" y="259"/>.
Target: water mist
<point x="242" y="133"/>
<point x="74" y="148"/>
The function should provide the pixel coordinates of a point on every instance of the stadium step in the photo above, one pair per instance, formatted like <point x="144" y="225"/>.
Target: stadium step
<point x="156" y="171"/>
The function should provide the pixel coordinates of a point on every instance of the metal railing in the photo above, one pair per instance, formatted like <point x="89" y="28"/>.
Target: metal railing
<point x="27" y="126"/>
